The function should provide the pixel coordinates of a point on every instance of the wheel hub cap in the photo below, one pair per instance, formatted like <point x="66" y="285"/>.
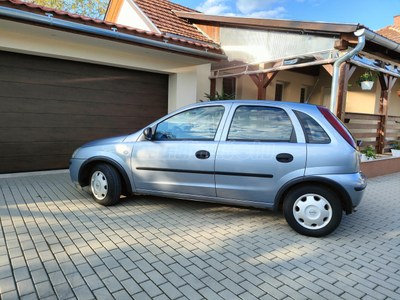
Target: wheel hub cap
<point x="99" y="185"/>
<point x="312" y="211"/>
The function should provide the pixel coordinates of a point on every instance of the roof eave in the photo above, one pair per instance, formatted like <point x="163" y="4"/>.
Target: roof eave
<point x="272" y="23"/>
<point x="110" y="31"/>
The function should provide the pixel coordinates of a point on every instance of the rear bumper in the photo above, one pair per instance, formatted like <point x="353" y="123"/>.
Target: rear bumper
<point x="354" y="184"/>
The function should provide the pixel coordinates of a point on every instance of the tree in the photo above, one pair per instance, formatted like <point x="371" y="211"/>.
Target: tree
<point x="90" y="8"/>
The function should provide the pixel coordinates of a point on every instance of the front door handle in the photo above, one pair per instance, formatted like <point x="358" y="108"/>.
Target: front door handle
<point x="284" y="157"/>
<point x="202" y="154"/>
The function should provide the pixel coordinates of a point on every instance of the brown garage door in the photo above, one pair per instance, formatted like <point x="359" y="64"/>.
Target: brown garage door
<point x="49" y="107"/>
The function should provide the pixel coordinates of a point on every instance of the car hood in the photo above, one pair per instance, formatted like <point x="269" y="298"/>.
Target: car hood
<point x="110" y="140"/>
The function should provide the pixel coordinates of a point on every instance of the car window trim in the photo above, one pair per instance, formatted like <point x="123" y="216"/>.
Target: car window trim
<point x="293" y="138"/>
<point x="192" y="108"/>
<point x="297" y="113"/>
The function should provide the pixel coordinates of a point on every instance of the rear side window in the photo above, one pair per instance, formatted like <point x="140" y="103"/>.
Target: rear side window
<point x="259" y="123"/>
<point x="315" y="134"/>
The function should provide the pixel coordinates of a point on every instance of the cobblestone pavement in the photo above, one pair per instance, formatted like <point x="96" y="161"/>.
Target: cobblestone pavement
<point x="56" y="243"/>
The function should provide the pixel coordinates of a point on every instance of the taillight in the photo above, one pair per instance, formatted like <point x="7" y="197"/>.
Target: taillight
<point x="338" y="126"/>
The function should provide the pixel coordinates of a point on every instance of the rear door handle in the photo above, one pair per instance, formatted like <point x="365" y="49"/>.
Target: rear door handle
<point x="202" y="154"/>
<point x="284" y="157"/>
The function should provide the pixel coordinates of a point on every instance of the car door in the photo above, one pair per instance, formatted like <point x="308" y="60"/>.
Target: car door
<point x="181" y="155"/>
<point x="261" y="149"/>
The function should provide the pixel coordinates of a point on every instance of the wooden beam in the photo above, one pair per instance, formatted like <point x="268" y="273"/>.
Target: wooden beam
<point x="344" y="77"/>
<point x="268" y="77"/>
<point x="328" y="68"/>
<point x="387" y="83"/>
<point x="350" y="37"/>
<point x="261" y="90"/>
<point x="255" y="79"/>
<point x="341" y="44"/>
<point x="213" y="87"/>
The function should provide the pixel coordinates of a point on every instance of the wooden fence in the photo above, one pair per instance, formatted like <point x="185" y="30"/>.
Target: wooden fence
<point x="370" y="129"/>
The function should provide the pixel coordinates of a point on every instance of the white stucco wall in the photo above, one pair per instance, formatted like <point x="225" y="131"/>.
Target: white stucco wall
<point x="188" y="75"/>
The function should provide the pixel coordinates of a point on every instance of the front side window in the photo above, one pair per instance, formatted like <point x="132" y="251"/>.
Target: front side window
<point x="195" y="124"/>
<point x="258" y="123"/>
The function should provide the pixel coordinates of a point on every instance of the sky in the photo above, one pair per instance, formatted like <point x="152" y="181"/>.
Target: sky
<point x="374" y="14"/>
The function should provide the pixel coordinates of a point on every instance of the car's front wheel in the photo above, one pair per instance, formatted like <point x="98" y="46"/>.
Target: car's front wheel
<point x="312" y="210"/>
<point x="105" y="184"/>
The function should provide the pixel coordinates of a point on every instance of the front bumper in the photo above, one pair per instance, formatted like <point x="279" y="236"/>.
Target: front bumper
<point x="74" y="168"/>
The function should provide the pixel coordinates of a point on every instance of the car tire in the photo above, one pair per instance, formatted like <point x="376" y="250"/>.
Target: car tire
<point x="312" y="210"/>
<point x="105" y="184"/>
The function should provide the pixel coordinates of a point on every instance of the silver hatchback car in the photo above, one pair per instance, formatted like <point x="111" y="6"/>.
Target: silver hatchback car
<point x="290" y="156"/>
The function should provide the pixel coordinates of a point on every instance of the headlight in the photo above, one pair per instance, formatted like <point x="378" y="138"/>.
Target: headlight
<point x="75" y="152"/>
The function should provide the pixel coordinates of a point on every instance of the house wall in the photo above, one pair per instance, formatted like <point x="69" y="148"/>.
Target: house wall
<point x="292" y="82"/>
<point x="28" y="39"/>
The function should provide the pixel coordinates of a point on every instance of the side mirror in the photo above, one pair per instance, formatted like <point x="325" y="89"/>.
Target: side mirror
<point x="148" y="134"/>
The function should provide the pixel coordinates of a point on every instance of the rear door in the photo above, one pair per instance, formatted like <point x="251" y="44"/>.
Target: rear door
<point x="262" y="148"/>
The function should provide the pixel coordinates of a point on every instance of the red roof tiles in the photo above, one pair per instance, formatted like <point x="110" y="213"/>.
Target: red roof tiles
<point x="30" y="7"/>
<point x="160" y="13"/>
<point x="390" y="32"/>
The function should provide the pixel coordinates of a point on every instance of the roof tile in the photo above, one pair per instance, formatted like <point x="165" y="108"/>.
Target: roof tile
<point x="160" y="13"/>
<point x="89" y="21"/>
<point x="390" y="32"/>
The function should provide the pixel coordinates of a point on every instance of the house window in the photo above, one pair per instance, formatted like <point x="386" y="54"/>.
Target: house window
<point x="229" y="85"/>
<point x="302" y="95"/>
<point x="278" y="92"/>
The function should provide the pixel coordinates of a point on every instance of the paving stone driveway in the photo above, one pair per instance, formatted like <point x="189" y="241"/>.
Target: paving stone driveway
<point x="56" y="243"/>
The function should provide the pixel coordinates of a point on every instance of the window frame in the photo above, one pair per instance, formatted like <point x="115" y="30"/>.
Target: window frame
<point x="187" y="110"/>
<point x="306" y="136"/>
<point x="292" y="139"/>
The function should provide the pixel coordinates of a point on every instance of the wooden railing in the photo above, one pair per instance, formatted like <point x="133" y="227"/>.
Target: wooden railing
<point x="392" y="131"/>
<point x="364" y="127"/>
<point x="370" y="129"/>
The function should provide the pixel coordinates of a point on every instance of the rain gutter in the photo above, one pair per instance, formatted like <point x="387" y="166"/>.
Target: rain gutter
<point x="113" y="33"/>
<point x="336" y="66"/>
<point x="363" y="35"/>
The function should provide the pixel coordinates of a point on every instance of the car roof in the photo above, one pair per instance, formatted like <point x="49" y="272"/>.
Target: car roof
<point x="292" y="105"/>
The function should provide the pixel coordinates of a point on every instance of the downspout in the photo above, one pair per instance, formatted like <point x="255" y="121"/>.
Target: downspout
<point x="336" y="66"/>
<point x="50" y="21"/>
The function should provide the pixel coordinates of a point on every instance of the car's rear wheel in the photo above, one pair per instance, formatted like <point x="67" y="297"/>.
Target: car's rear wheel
<point x="312" y="210"/>
<point x="105" y="184"/>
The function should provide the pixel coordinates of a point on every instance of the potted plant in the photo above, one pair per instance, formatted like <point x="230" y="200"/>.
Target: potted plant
<point x="395" y="148"/>
<point x="398" y="92"/>
<point x="369" y="152"/>
<point x="366" y="81"/>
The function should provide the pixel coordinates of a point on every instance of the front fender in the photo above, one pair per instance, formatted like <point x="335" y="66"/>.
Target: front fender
<point x="116" y="162"/>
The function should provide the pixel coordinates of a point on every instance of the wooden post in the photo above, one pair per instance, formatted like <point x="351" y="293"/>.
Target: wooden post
<point x="387" y="83"/>
<point x="213" y="85"/>
<point x="262" y="80"/>
<point x="344" y="75"/>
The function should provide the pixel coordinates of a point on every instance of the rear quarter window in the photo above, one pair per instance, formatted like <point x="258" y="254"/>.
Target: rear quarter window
<point x="314" y="133"/>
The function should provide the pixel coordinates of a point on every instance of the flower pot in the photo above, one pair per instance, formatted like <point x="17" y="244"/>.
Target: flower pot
<point x="398" y="93"/>
<point x="395" y="152"/>
<point x="367" y="85"/>
<point x="363" y="157"/>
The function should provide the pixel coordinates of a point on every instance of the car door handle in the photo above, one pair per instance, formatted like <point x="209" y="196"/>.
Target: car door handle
<point x="284" y="157"/>
<point x="202" y="154"/>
